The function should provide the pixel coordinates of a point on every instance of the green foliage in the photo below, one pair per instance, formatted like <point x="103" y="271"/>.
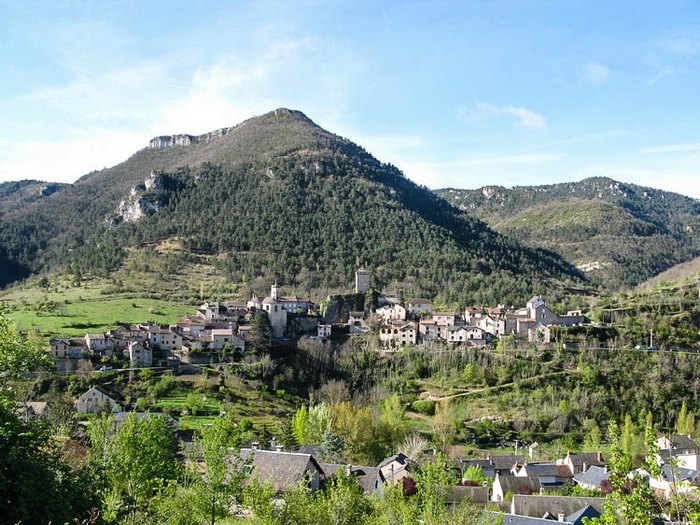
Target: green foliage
<point x="136" y="459"/>
<point x="225" y="470"/>
<point x="299" y="424"/>
<point x="19" y="354"/>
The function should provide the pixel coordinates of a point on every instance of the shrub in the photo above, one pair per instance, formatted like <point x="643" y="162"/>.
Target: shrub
<point x="424" y="406"/>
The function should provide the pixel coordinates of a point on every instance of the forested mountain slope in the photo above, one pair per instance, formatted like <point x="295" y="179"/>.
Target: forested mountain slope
<point x="278" y="197"/>
<point x="619" y="234"/>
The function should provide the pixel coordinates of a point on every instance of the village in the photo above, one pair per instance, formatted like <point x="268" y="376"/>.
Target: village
<point x="220" y="329"/>
<point x="526" y="487"/>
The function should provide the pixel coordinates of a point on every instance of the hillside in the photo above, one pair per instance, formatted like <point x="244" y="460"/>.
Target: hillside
<point x="686" y="273"/>
<point x="618" y="234"/>
<point x="280" y="198"/>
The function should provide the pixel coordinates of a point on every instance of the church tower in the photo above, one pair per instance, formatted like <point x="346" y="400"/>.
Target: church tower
<point x="276" y="292"/>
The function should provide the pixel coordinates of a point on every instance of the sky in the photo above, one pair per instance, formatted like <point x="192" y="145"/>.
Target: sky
<point x="455" y="93"/>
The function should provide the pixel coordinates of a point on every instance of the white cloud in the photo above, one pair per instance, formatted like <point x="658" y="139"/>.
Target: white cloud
<point x="596" y="74"/>
<point x="66" y="159"/>
<point x="524" y="117"/>
<point x="672" y="148"/>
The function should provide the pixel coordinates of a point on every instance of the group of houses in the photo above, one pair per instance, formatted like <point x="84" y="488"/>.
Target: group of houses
<point x="417" y="323"/>
<point x="522" y="489"/>
<point x="218" y="327"/>
<point x="526" y="498"/>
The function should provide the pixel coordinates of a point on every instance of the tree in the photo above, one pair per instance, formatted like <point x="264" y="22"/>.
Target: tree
<point x="135" y="459"/>
<point x="225" y="470"/>
<point x="444" y="424"/>
<point x="318" y="423"/>
<point x="685" y="423"/>
<point x="300" y="421"/>
<point x="17" y="354"/>
<point x="632" y="499"/>
<point x="36" y="485"/>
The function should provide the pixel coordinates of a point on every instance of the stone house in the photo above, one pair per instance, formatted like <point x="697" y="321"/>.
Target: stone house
<point x="284" y="470"/>
<point x="504" y="484"/>
<point x="220" y="337"/>
<point x="96" y="343"/>
<point x="419" y="307"/>
<point x="95" y="400"/>
<point x="399" y="334"/>
<point x="59" y="348"/>
<point x="139" y="355"/>
<point x="163" y="338"/>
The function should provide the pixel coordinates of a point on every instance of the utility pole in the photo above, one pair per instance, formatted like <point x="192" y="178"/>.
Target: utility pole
<point x="651" y="337"/>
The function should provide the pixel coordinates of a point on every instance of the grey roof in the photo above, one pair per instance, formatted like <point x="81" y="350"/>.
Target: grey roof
<point x="577" y="517"/>
<point x="514" y="519"/>
<point x="365" y="476"/>
<point x="518" y="485"/>
<point x="119" y="417"/>
<point x="683" y="442"/>
<point x="483" y="464"/>
<point x="538" y="505"/>
<point x="476" y="495"/>
<point x="594" y="475"/>
<point x="586" y="458"/>
<point x="399" y="457"/>
<point x="547" y="469"/>
<point x="38" y="408"/>
<point x="505" y="461"/>
<point x="678" y="473"/>
<point x="283" y="469"/>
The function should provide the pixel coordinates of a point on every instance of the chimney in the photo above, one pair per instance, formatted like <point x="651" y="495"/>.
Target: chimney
<point x="254" y="445"/>
<point x="560" y="516"/>
<point x="348" y="470"/>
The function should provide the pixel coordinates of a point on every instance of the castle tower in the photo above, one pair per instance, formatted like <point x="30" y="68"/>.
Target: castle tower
<point x="276" y="292"/>
<point x="361" y="280"/>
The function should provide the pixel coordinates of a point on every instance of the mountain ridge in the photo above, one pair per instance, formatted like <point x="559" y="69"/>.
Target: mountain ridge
<point x="280" y="197"/>
<point x="617" y="232"/>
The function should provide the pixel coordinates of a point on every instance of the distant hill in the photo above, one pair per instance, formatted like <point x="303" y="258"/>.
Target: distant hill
<point x="618" y="234"/>
<point x="683" y="273"/>
<point x="276" y="197"/>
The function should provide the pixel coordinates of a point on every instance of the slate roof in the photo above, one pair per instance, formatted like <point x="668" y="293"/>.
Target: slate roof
<point x="483" y="464"/>
<point x="400" y="458"/>
<point x="577" y="518"/>
<point x="541" y="470"/>
<point x="38" y="408"/>
<point x="506" y="461"/>
<point x="594" y="476"/>
<point x="683" y="442"/>
<point x="365" y="476"/>
<point x="518" y="485"/>
<point x="586" y="458"/>
<point x="283" y="469"/>
<point x="678" y="473"/>
<point x="540" y="504"/>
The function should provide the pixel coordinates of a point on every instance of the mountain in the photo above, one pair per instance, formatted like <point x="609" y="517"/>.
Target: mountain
<point x="618" y="234"/>
<point x="685" y="273"/>
<point x="275" y="197"/>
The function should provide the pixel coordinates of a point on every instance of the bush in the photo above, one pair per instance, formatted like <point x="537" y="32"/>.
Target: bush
<point x="424" y="406"/>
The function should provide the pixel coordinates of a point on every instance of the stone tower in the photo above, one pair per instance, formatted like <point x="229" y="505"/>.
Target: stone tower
<point x="361" y="280"/>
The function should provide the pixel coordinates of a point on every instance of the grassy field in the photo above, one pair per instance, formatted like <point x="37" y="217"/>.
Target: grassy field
<point x="56" y="306"/>
<point x="76" y="317"/>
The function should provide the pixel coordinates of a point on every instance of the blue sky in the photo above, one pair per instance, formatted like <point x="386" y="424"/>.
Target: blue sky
<point x="455" y="93"/>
